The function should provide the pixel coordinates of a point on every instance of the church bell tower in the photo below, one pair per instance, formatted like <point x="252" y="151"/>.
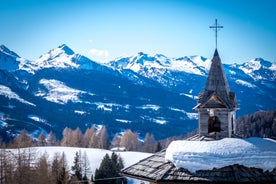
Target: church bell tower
<point x="216" y="105"/>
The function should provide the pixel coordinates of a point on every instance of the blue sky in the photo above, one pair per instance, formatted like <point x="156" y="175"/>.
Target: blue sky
<point x="104" y="30"/>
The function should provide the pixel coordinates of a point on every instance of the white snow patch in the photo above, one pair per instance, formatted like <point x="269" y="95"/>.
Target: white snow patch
<point x="250" y="67"/>
<point x="149" y="106"/>
<point x="26" y="65"/>
<point x="178" y="110"/>
<point x="3" y="124"/>
<point x="273" y="67"/>
<point x="7" y="92"/>
<point x="123" y="121"/>
<point x="190" y="115"/>
<point x="232" y="72"/>
<point x="184" y="65"/>
<point x="189" y="95"/>
<point x="197" y="155"/>
<point x="39" y="119"/>
<point x="107" y="106"/>
<point x="103" y="107"/>
<point x="199" y="62"/>
<point x="244" y="83"/>
<point x="80" y="112"/>
<point x="160" y="121"/>
<point x="36" y="118"/>
<point x="58" y="92"/>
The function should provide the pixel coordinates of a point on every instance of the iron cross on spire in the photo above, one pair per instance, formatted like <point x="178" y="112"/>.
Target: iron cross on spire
<point x="216" y="28"/>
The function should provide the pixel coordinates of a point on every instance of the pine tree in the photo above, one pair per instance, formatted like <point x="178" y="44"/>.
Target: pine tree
<point x="77" y="167"/>
<point x="64" y="173"/>
<point x="118" y="162"/>
<point x="107" y="170"/>
<point x="64" y="176"/>
<point x="110" y="168"/>
<point x="86" y="167"/>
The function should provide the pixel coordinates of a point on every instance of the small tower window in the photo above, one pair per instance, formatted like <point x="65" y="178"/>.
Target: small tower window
<point x="214" y="124"/>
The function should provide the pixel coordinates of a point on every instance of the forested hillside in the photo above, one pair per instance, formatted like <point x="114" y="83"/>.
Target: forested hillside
<point x="260" y="124"/>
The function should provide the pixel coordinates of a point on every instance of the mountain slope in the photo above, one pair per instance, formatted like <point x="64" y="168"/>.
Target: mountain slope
<point x="144" y="93"/>
<point x="187" y="75"/>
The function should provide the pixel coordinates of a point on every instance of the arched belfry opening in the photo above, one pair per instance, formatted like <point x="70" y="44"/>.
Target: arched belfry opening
<point x="214" y="125"/>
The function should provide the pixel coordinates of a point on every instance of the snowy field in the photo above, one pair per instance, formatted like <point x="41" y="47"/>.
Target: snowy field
<point x="94" y="155"/>
<point x="197" y="155"/>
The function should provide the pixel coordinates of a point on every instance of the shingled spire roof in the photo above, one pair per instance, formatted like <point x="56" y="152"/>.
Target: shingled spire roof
<point x="216" y="79"/>
<point x="216" y="92"/>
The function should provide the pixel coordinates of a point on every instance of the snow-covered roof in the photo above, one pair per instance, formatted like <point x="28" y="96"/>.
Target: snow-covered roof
<point x="204" y="155"/>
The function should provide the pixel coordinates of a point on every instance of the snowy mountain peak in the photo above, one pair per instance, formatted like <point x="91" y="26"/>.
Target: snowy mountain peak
<point x="149" y="65"/>
<point x="8" y="59"/>
<point x="66" y="49"/>
<point x="259" y="69"/>
<point x="141" y="58"/>
<point x="60" y="57"/>
<point x="257" y="63"/>
<point x="263" y="62"/>
<point x="6" y="51"/>
<point x="61" y="50"/>
<point x="64" y="57"/>
<point x="141" y="53"/>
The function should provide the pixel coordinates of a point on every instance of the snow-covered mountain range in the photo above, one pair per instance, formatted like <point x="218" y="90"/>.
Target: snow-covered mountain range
<point x="141" y="92"/>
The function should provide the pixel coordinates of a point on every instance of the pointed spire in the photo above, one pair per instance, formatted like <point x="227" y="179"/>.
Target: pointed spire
<point x="216" y="53"/>
<point x="216" y="81"/>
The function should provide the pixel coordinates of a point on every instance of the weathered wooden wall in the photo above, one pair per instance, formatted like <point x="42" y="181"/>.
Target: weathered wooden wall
<point x="225" y="118"/>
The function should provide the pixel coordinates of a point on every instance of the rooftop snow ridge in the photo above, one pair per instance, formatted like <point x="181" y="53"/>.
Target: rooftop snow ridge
<point x="202" y="155"/>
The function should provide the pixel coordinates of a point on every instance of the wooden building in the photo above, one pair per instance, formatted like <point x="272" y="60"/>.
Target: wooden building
<point x="216" y="104"/>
